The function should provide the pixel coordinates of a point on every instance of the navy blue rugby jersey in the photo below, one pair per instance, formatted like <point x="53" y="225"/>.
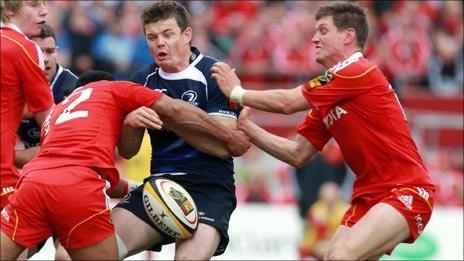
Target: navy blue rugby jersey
<point x="62" y="85"/>
<point x="170" y="153"/>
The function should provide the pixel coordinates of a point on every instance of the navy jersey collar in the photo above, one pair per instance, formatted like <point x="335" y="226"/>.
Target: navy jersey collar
<point x="195" y="54"/>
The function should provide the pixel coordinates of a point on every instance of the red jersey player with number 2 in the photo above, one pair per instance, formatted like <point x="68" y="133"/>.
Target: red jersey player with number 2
<point x="63" y="190"/>
<point x="353" y="103"/>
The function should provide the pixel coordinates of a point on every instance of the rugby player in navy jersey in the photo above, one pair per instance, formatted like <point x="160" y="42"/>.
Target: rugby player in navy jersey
<point x="182" y="72"/>
<point x="62" y="83"/>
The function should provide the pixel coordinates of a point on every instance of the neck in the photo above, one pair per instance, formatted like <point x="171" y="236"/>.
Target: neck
<point x="342" y="57"/>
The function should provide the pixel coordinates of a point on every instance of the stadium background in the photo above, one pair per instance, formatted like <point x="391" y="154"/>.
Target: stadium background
<point x="418" y="44"/>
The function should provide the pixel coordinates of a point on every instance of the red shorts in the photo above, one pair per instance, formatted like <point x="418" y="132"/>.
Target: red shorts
<point x="69" y="202"/>
<point x="6" y="192"/>
<point x="414" y="203"/>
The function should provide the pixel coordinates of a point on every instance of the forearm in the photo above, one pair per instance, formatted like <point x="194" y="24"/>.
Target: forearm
<point x="203" y="132"/>
<point x="281" y="148"/>
<point x="22" y="157"/>
<point x="178" y="115"/>
<point x="130" y="141"/>
<point x="204" y="142"/>
<point x="276" y="101"/>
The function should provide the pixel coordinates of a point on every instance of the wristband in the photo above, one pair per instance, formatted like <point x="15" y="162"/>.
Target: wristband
<point x="129" y="186"/>
<point x="132" y="185"/>
<point x="236" y="95"/>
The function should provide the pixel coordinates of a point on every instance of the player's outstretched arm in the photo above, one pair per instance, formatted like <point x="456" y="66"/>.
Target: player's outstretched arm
<point x="200" y="129"/>
<point x="277" y="101"/>
<point x="295" y="153"/>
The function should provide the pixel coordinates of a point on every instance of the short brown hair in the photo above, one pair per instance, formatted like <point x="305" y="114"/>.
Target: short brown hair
<point x="164" y="10"/>
<point x="347" y="15"/>
<point x="47" y="31"/>
<point x="14" y="5"/>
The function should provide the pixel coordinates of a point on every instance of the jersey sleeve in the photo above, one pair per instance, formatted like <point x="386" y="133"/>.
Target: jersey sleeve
<point x="218" y="104"/>
<point x="35" y="86"/>
<point x="131" y="96"/>
<point x="333" y="88"/>
<point x="314" y="131"/>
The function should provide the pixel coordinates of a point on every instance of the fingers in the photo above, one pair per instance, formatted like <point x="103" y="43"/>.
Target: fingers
<point x="143" y="117"/>
<point x="245" y="113"/>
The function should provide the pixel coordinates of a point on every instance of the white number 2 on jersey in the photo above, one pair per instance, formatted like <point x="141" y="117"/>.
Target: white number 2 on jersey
<point x="68" y="114"/>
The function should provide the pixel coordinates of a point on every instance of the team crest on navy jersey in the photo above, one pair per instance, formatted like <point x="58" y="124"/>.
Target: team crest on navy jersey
<point x="320" y="80"/>
<point x="190" y="97"/>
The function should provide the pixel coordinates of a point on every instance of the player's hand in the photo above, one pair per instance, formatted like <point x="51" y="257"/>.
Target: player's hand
<point x="225" y="77"/>
<point x="143" y="117"/>
<point x="244" y="118"/>
<point x="240" y="143"/>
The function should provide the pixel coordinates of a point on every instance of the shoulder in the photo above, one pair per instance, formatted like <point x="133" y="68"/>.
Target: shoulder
<point x="68" y="76"/>
<point x="21" y="42"/>
<point x="142" y="74"/>
<point x="205" y="63"/>
<point x="356" y="69"/>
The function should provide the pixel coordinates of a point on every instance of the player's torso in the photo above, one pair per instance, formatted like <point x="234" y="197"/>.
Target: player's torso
<point x="84" y="128"/>
<point x="170" y="153"/>
<point x="14" y="47"/>
<point x="373" y="134"/>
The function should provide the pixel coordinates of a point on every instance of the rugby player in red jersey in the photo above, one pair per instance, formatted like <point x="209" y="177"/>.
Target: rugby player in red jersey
<point x="353" y="103"/>
<point x="22" y="80"/>
<point x="63" y="190"/>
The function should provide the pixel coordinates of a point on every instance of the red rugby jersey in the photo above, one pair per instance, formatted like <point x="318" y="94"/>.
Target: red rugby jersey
<point x="22" y="82"/>
<point x="355" y="104"/>
<point x="84" y="129"/>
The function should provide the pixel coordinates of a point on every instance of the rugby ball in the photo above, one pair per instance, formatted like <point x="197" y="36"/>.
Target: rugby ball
<point x="170" y="207"/>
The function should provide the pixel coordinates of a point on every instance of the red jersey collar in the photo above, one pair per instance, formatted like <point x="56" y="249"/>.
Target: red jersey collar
<point x="12" y="26"/>
<point x="352" y="59"/>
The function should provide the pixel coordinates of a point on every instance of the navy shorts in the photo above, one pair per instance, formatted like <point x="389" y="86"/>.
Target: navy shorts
<point x="215" y="201"/>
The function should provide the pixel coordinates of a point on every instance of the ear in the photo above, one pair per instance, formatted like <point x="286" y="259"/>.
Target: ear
<point x="187" y="35"/>
<point x="350" y="36"/>
<point x="9" y="11"/>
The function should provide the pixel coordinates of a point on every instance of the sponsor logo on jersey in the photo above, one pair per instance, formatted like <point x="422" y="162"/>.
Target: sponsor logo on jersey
<point x="406" y="200"/>
<point x="419" y="224"/>
<point x="423" y="193"/>
<point x="334" y="115"/>
<point x="7" y="190"/>
<point x="5" y="215"/>
<point x="190" y="97"/>
<point x="320" y="80"/>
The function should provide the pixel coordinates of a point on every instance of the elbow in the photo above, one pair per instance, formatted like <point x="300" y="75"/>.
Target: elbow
<point x="127" y="154"/>
<point x="288" y="108"/>
<point x="299" y="161"/>
<point x="223" y="154"/>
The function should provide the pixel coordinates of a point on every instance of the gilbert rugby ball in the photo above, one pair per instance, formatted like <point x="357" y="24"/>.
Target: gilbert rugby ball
<point x="170" y="207"/>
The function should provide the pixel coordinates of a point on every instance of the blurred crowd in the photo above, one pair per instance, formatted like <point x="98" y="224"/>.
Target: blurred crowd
<point x="417" y="44"/>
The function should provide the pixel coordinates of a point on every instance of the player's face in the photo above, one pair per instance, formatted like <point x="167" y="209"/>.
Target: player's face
<point x="168" y="45"/>
<point x="329" y="42"/>
<point x="49" y="50"/>
<point x="30" y="17"/>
